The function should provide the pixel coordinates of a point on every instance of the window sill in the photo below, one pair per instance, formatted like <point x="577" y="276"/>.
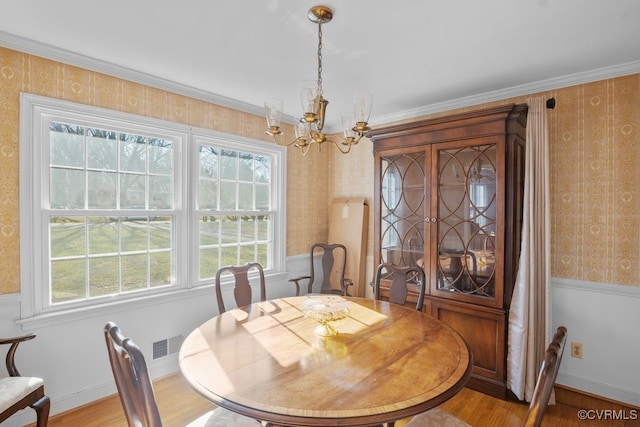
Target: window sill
<point x="136" y="303"/>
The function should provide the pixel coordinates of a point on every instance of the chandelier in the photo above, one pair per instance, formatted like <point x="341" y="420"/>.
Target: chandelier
<point x="308" y="130"/>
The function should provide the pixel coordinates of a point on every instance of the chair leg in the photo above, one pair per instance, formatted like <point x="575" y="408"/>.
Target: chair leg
<point x="41" y="406"/>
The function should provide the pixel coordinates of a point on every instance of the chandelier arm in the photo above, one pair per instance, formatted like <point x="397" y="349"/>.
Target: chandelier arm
<point x="274" y="138"/>
<point x="350" y="140"/>
<point x="341" y="145"/>
<point x="304" y="149"/>
<point x="288" y="144"/>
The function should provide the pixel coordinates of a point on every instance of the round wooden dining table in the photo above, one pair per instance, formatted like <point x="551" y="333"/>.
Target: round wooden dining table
<point x="264" y="361"/>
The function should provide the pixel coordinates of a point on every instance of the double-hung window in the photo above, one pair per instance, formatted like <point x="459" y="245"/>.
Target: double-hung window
<point x="233" y="206"/>
<point x="116" y="206"/>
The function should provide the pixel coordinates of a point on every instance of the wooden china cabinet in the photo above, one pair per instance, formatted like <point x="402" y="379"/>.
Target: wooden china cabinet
<point x="448" y="198"/>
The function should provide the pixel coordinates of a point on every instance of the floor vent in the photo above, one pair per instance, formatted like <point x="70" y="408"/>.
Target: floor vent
<point x="167" y="346"/>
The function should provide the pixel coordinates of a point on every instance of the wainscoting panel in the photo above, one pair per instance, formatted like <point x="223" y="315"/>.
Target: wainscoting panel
<point x="605" y="318"/>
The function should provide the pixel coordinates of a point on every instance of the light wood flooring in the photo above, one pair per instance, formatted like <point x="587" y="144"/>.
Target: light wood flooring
<point x="179" y="405"/>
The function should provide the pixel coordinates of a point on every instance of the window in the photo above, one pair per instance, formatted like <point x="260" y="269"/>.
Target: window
<point x="234" y="208"/>
<point x="109" y="202"/>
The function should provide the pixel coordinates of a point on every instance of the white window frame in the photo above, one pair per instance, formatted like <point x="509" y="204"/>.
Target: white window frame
<point x="277" y="257"/>
<point x="34" y="234"/>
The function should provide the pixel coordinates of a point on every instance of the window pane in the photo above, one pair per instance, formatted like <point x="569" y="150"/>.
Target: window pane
<point x="160" y="192"/>
<point x="67" y="237"/>
<point x="160" y="232"/>
<point x="208" y="194"/>
<point x="263" y="228"/>
<point x="262" y="171"/>
<point x="209" y="262"/>
<point x="102" y="190"/>
<point x="245" y="196"/>
<point x="229" y="165"/>
<point x="160" y="156"/>
<point x="209" y="230"/>
<point x="102" y="149"/>
<point x="262" y="197"/>
<point x="229" y="229"/>
<point x="66" y="145"/>
<point x="230" y="255"/>
<point x="132" y="191"/>
<point x="247" y="229"/>
<point x="247" y="254"/>
<point x="208" y="162"/>
<point x="103" y="236"/>
<point x="68" y="281"/>
<point x="263" y="254"/>
<point x="132" y="153"/>
<point x="228" y="195"/>
<point x="245" y="168"/>
<point x="66" y="189"/>
<point x="104" y="276"/>
<point x="134" y="234"/>
<point x="160" y="269"/>
<point x="134" y="272"/>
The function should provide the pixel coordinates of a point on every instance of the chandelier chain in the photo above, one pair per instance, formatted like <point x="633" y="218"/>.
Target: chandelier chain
<point x="320" y="58"/>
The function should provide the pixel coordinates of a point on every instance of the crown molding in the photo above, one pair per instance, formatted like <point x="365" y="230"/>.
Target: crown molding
<point x="515" y="91"/>
<point x="68" y="57"/>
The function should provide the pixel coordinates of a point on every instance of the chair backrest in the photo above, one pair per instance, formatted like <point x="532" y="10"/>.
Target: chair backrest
<point x="132" y="379"/>
<point x="334" y="257"/>
<point x="242" y="288"/>
<point x="546" y="379"/>
<point x="400" y="276"/>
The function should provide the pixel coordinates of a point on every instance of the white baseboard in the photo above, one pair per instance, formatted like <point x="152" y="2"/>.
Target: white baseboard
<point x="599" y="389"/>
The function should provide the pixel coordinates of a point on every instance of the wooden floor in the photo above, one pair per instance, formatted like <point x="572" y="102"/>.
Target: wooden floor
<point x="179" y="405"/>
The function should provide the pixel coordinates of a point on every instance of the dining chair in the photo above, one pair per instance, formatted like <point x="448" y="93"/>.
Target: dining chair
<point x="401" y="277"/>
<point x="539" y="401"/>
<point x="546" y="379"/>
<point x="242" y="287"/>
<point x="135" y="387"/>
<point x="333" y="255"/>
<point x="18" y="392"/>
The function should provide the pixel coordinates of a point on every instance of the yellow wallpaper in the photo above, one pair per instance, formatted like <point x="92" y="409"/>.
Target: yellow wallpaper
<point x="595" y="164"/>
<point x="307" y="178"/>
<point x="595" y="179"/>
<point x="595" y="182"/>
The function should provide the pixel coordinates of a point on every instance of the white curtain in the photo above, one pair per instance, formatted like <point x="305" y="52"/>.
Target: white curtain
<point x="529" y="312"/>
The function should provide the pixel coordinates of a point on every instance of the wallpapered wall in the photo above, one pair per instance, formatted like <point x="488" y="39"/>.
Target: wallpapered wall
<point x="594" y="155"/>
<point x="307" y="178"/>
<point x="594" y="134"/>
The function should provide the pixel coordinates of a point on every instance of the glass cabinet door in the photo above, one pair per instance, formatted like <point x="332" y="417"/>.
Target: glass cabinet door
<point x="467" y="221"/>
<point x="402" y="188"/>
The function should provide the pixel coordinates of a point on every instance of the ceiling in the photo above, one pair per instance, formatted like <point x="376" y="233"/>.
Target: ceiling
<point x="415" y="57"/>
